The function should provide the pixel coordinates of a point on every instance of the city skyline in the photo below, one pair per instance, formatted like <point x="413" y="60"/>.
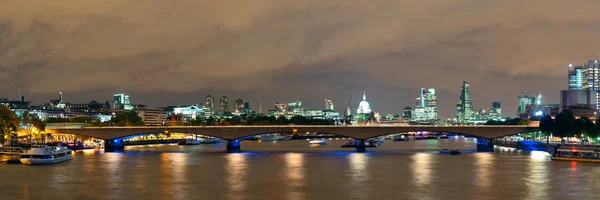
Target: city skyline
<point x="389" y="48"/>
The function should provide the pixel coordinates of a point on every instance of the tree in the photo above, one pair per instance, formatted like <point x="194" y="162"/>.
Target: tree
<point x="9" y="121"/>
<point x="130" y="118"/>
<point x="563" y="125"/>
<point x="547" y="126"/>
<point x="587" y="126"/>
<point x="33" y="125"/>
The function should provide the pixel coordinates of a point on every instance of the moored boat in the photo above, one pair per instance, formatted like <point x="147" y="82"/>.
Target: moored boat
<point x="450" y="152"/>
<point x="318" y="142"/>
<point x="44" y="154"/>
<point x="581" y="154"/>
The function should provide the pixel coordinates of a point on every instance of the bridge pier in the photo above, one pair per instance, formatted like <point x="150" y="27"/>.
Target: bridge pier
<point x="485" y="145"/>
<point x="360" y="145"/>
<point x="115" y="145"/>
<point x="233" y="146"/>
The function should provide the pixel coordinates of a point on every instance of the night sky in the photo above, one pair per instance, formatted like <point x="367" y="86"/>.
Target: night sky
<point x="177" y="52"/>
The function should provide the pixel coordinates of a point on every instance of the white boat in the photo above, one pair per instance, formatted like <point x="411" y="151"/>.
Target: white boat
<point x="317" y="142"/>
<point x="44" y="154"/>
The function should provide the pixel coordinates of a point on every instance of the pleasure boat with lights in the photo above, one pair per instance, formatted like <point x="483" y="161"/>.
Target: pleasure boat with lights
<point x="317" y="142"/>
<point x="44" y="154"/>
<point x="586" y="153"/>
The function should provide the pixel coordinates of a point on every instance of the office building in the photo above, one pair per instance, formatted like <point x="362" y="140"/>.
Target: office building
<point x="426" y="108"/>
<point x="238" y="105"/>
<point x="575" y="74"/>
<point x="328" y="104"/>
<point x="224" y="104"/>
<point x="120" y="101"/>
<point x="152" y="116"/>
<point x="581" y="102"/>
<point x="464" y="108"/>
<point x="209" y="106"/>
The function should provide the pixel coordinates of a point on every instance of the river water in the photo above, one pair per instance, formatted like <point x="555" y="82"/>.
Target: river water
<point x="295" y="170"/>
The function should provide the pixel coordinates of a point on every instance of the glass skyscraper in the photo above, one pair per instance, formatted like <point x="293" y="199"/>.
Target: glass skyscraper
<point x="464" y="108"/>
<point x="575" y="77"/>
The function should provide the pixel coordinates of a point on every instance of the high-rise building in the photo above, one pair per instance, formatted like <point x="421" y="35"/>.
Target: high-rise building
<point x="575" y="77"/>
<point x="328" y="104"/>
<point x="581" y="103"/>
<point x="591" y="77"/>
<point x="121" y="101"/>
<point x="238" y="104"/>
<point x="224" y="104"/>
<point x="496" y="111"/>
<point x="426" y="108"/>
<point x="464" y="108"/>
<point x="407" y="113"/>
<point x="209" y="106"/>
<point x="524" y="101"/>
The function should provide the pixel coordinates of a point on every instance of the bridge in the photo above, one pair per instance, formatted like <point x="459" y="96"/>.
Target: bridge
<point x="114" y="136"/>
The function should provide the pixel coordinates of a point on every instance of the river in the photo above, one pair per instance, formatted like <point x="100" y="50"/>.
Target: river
<point x="295" y="170"/>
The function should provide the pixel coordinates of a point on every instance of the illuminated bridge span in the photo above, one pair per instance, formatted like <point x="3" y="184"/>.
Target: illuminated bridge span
<point x="114" y="136"/>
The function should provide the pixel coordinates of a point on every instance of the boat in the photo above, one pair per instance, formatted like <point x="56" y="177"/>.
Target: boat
<point x="426" y="137"/>
<point x="580" y="154"/>
<point x="368" y="143"/>
<point x="450" y="152"/>
<point x="273" y="137"/>
<point x="189" y="142"/>
<point x="318" y="142"/>
<point x="44" y="154"/>
<point x="444" y="137"/>
<point x="401" y="138"/>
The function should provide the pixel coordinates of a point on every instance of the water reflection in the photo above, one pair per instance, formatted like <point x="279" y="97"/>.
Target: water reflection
<point x="484" y="167"/>
<point x="295" y="174"/>
<point x="359" y="174"/>
<point x="113" y="167"/>
<point x="537" y="181"/>
<point x="236" y="169"/>
<point x="421" y="167"/>
<point x="174" y="174"/>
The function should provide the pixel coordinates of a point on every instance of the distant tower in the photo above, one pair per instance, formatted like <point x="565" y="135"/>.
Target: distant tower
<point x="328" y="104"/>
<point x="224" y="104"/>
<point x="575" y="74"/>
<point x="464" y="108"/>
<point x="238" y="104"/>
<point x="209" y="103"/>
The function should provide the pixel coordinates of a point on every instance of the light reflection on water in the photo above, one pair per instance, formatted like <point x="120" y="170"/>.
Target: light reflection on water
<point x="537" y="180"/>
<point x="236" y="169"/>
<point x="484" y="163"/>
<point x="359" y="174"/>
<point x="294" y="172"/>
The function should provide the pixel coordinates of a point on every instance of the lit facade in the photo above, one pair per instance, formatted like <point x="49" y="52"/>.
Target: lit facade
<point x="364" y="107"/>
<point x="152" y="116"/>
<point x="575" y="77"/>
<point x="426" y="108"/>
<point x="224" y="104"/>
<point x="209" y="106"/>
<point x="464" y="108"/>
<point x="328" y="104"/>
<point x="121" y="101"/>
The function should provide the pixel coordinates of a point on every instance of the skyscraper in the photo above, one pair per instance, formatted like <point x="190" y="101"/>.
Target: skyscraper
<point x="328" y="104"/>
<point x="591" y="77"/>
<point x="224" y="104"/>
<point x="209" y="106"/>
<point x="524" y="101"/>
<point x="464" y="108"/>
<point x="575" y="77"/>
<point x="238" y="104"/>
<point x="426" y="108"/>
<point x="495" y="111"/>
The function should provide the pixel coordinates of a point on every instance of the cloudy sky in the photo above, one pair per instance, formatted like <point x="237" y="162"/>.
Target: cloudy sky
<point x="166" y="52"/>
